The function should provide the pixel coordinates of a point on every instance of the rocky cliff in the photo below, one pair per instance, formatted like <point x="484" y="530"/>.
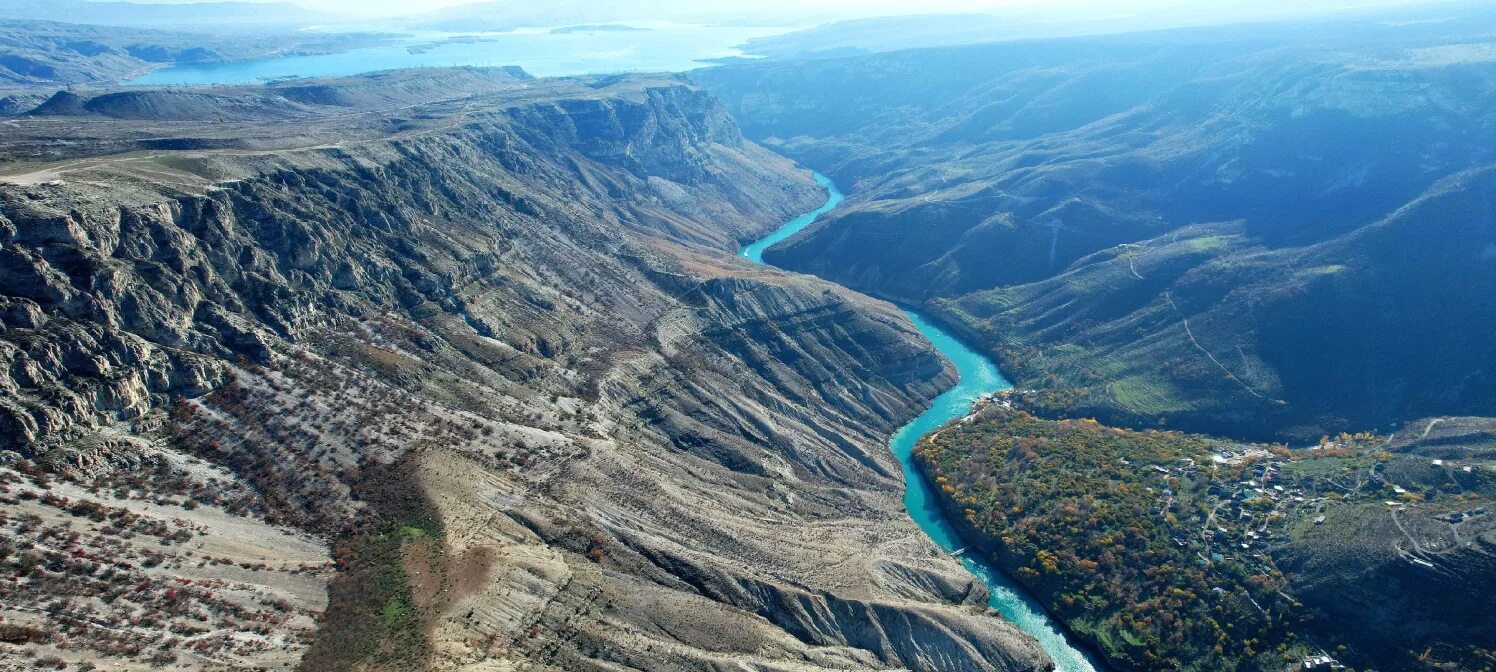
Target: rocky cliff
<point x="494" y="349"/>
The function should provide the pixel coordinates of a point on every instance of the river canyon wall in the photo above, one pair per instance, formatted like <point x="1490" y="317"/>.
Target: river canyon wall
<point x="487" y="355"/>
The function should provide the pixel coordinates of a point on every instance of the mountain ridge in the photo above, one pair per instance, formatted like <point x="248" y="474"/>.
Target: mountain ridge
<point x="147" y="15"/>
<point x="980" y="173"/>
<point x="504" y="363"/>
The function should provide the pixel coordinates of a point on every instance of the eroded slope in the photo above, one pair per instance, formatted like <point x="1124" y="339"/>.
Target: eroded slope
<point x="499" y="355"/>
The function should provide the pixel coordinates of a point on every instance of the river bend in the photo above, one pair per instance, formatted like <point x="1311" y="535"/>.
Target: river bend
<point x="978" y="377"/>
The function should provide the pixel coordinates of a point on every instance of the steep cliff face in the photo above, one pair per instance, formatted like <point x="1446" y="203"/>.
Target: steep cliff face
<point x="136" y="287"/>
<point x="497" y="351"/>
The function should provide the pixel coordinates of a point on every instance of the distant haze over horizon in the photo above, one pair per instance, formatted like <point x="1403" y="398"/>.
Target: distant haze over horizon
<point x="789" y="11"/>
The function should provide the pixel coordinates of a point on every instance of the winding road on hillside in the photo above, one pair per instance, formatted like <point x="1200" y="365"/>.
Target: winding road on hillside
<point x="978" y="377"/>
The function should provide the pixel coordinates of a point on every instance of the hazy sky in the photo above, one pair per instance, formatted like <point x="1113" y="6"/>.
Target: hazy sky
<point x="858" y="7"/>
<point x="843" y="7"/>
<point x="832" y="9"/>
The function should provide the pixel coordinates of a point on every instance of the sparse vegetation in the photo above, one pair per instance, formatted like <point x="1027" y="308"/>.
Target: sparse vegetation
<point x="100" y="570"/>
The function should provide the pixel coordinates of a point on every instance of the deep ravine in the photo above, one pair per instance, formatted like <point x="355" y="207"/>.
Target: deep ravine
<point x="979" y="376"/>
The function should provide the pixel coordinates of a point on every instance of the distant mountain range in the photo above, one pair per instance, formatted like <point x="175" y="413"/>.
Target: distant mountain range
<point x="218" y="14"/>
<point x="49" y="54"/>
<point x="1268" y="230"/>
<point x="1028" y="21"/>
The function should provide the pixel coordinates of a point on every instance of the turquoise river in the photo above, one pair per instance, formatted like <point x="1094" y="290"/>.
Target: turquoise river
<point x="979" y="377"/>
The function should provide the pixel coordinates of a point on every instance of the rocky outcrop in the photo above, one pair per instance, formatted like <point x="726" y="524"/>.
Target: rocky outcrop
<point x="528" y="304"/>
<point x="117" y="295"/>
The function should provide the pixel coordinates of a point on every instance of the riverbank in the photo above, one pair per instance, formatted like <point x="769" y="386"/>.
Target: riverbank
<point x="991" y="550"/>
<point x="978" y="377"/>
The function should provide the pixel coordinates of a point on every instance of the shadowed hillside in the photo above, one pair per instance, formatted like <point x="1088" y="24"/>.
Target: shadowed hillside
<point x="1183" y="226"/>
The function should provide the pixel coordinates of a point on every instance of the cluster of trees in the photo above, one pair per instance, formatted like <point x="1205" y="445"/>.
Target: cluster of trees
<point x="1077" y="512"/>
<point x="374" y="619"/>
<point x="327" y="451"/>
